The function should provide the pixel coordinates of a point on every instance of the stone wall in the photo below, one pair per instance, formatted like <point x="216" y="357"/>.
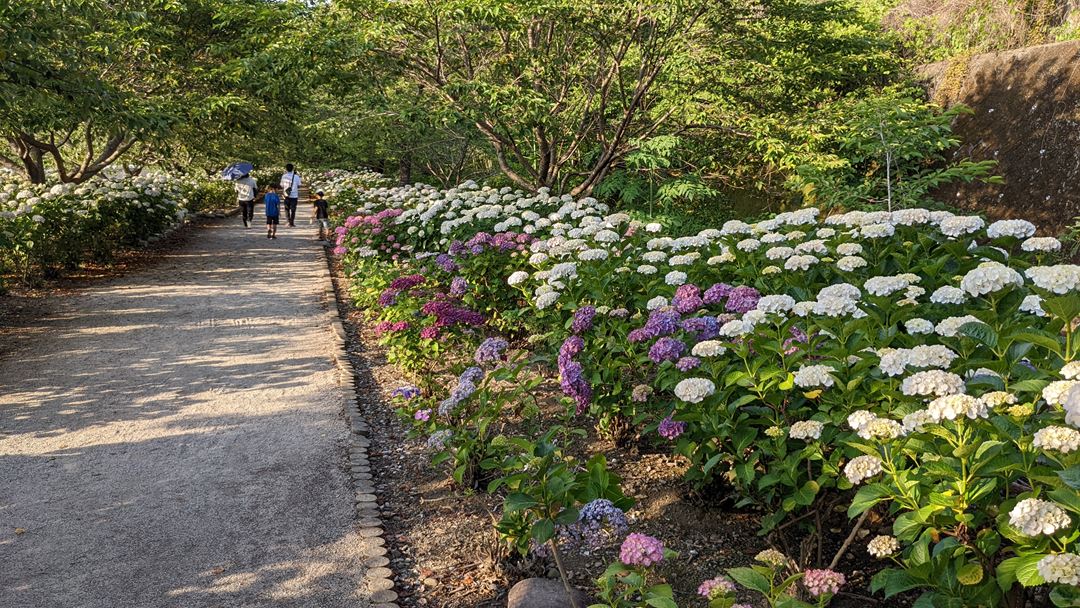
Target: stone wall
<point x="1027" y="117"/>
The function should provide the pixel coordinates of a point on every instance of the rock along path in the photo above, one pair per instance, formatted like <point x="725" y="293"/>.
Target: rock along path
<point x="174" y="437"/>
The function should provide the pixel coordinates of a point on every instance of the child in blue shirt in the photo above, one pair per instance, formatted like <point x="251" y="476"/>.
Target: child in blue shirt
<point x="272" y="206"/>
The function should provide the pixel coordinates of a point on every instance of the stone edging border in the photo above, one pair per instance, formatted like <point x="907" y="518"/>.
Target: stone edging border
<point x="379" y="578"/>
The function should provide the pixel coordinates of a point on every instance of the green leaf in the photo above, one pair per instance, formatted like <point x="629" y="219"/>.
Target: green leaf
<point x="1019" y="569"/>
<point x="517" y="501"/>
<point x="543" y="530"/>
<point x="751" y="579"/>
<point x="1071" y="476"/>
<point x="893" y="581"/>
<point x="980" y="332"/>
<point x="866" y="497"/>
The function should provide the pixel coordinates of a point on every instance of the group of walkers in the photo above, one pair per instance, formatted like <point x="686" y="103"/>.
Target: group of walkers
<point x="247" y="194"/>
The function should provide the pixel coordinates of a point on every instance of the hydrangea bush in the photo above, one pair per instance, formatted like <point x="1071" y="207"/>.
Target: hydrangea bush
<point x="48" y="228"/>
<point x="918" y="362"/>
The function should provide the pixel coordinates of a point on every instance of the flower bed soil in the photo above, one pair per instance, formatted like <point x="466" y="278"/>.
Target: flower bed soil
<point x="443" y="547"/>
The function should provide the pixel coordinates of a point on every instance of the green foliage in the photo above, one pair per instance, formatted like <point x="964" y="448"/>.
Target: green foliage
<point x="886" y="151"/>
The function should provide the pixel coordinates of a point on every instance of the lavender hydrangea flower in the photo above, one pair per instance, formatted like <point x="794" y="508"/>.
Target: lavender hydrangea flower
<point x="599" y="523"/>
<point x="671" y="429"/>
<point x="406" y="392"/>
<point x="422" y="415"/>
<point x="742" y="299"/>
<point x="490" y="350"/>
<point x="583" y="319"/>
<point x="471" y="375"/>
<point x="458" y="286"/>
<point x="685" y="364"/>
<point x="437" y="441"/>
<point x="666" y="349"/>
<point x="572" y="374"/>
<point x="641" y="550"/>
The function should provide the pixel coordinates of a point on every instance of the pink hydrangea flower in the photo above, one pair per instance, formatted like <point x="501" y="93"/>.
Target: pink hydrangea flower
<point x="820" y="582"/>
<point x="641" y="550"/>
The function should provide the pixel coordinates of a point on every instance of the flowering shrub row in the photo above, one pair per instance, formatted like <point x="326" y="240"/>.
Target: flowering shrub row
<point x="45" y="229"/>
<point x="917" y="362"/>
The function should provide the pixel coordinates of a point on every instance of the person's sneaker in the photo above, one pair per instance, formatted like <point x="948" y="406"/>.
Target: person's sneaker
<point x="274" y="236"/>
<point x="268" y="235"/>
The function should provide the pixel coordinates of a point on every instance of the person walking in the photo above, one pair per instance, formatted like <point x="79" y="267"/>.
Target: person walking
<point x="322" y="215"/>
<point x="290" y="183"/>
<point x="246" y="190"/>
<point x="272" y="206"/>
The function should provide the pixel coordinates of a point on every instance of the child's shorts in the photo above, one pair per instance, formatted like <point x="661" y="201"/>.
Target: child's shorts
<point x="271" y="219"/>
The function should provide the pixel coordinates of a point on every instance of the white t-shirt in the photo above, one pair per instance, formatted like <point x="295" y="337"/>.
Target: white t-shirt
<point x="246" y="189"/>
<point x="290" y="183"/>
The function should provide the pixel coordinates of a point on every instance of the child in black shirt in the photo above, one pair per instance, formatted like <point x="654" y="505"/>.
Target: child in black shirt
<point x="322" y="215"/>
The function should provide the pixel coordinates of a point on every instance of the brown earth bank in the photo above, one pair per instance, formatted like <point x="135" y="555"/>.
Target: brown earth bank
<point x="1026" y="116"/>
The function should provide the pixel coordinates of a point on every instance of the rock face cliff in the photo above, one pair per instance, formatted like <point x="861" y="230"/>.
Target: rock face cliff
<point x="1027" y="117"/>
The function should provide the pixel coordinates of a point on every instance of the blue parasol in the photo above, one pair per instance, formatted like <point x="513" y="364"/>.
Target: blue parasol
<point x="236" y="170"/>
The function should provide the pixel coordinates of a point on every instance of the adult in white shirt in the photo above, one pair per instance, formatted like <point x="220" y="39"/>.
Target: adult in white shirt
<point x="290" y="184"/>
<point x="246" y="191"/>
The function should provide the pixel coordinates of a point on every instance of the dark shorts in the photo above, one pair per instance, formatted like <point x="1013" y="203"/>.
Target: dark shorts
<point x="271" y="219"/>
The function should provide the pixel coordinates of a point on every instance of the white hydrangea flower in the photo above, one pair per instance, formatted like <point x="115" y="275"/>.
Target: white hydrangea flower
<point x="657" y="302"/>
<point x="918" y="326"/>
<point x="754" y="317"/>
<point x="1033" y="517"/>
<point x="694" y="390"/>
<point x="949" y="327"/>
<point x="770" y="270"/>
<point x="951" y="407"/>
<point x="653" y="227"/>
<point x="849" y="249"/>
<point x="1060" y="568"/>
<point x="959" y="225"/>
<point x="850" y="263"/>
<point x="735" y="227"/>
<point x="1032" y="305"/>
<point x="517" y="278"/>
<point x="995" y="399"/>
<point x="708" y="348"/>
<point x="803" y="309"/>
<point x="948" y="295"/>
<point x="882" y="546"/>
<point x="547" y="299"/>
<point x="593" y="255"/>
<point x="1020" y="229"/>
<point x="881" y="429"/>
<point x="778" y="304"/>
<point x="1071" y="370"/>
<point x="1058" y="439"/>
<point x="675" y="278"/>
<point x="654" y="257"/>
<point x="810" y="376"/>
<point x="910" y="217"/>
<point x="607" y="236"/>
<point x="990" y="277"/>
<point x="735" y="328"/>
<point x="861" y="468"/>
<point x="1041" y="244"/>
<point x="806" y="429"/>
<point x="835" y="307"/>
<point x="800" y="262"/>
<point x="877" y="231"/>
<point x="915" y="421"/>
<point x="932" y="383"/>
<point x="772" y="237"/>
<point x="646" y="269"/>
<point x="884" y="285"/>
<point x="748" y="245"/>
<point x="1055" y="392"/>
<point x="860" y="418"/>
<point x="779" y="253"/>
<point x="1059" y="279"/>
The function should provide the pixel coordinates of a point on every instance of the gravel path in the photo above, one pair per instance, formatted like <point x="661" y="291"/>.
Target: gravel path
<point x="175" y="438"/>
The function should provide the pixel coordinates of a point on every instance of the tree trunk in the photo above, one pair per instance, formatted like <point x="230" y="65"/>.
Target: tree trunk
<point x="405" y="170"/>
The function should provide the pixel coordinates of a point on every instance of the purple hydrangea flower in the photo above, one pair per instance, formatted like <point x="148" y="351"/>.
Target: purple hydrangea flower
<point x="703" y="328"/>
<point x="583" y="319"/>
<point x="671" y="429"/>
<point x="456" y="248"/>
<point x="715" y="587"/>
<point x="571" y="347"/>
<point x="472" y="374"/>
<point x="388" y="298"/>
<point x="742" y="299"/>
<point x="641" y="550"/>
<point x="437" y="441"/>
<point x="446" y="262"/>
<point x="406" y="282"/>
<point x="716" y="294"/>
<point x="662" y="322"/>
<point x="490" y="350"/>
<point x="686" y="364"/>
<point x="422" y="415"/>
<point x="666" y="349"/>
<point x="637" y="335"/>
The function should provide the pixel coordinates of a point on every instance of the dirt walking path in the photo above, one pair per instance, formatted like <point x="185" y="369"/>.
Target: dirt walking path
<point x="175" y="438"/>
